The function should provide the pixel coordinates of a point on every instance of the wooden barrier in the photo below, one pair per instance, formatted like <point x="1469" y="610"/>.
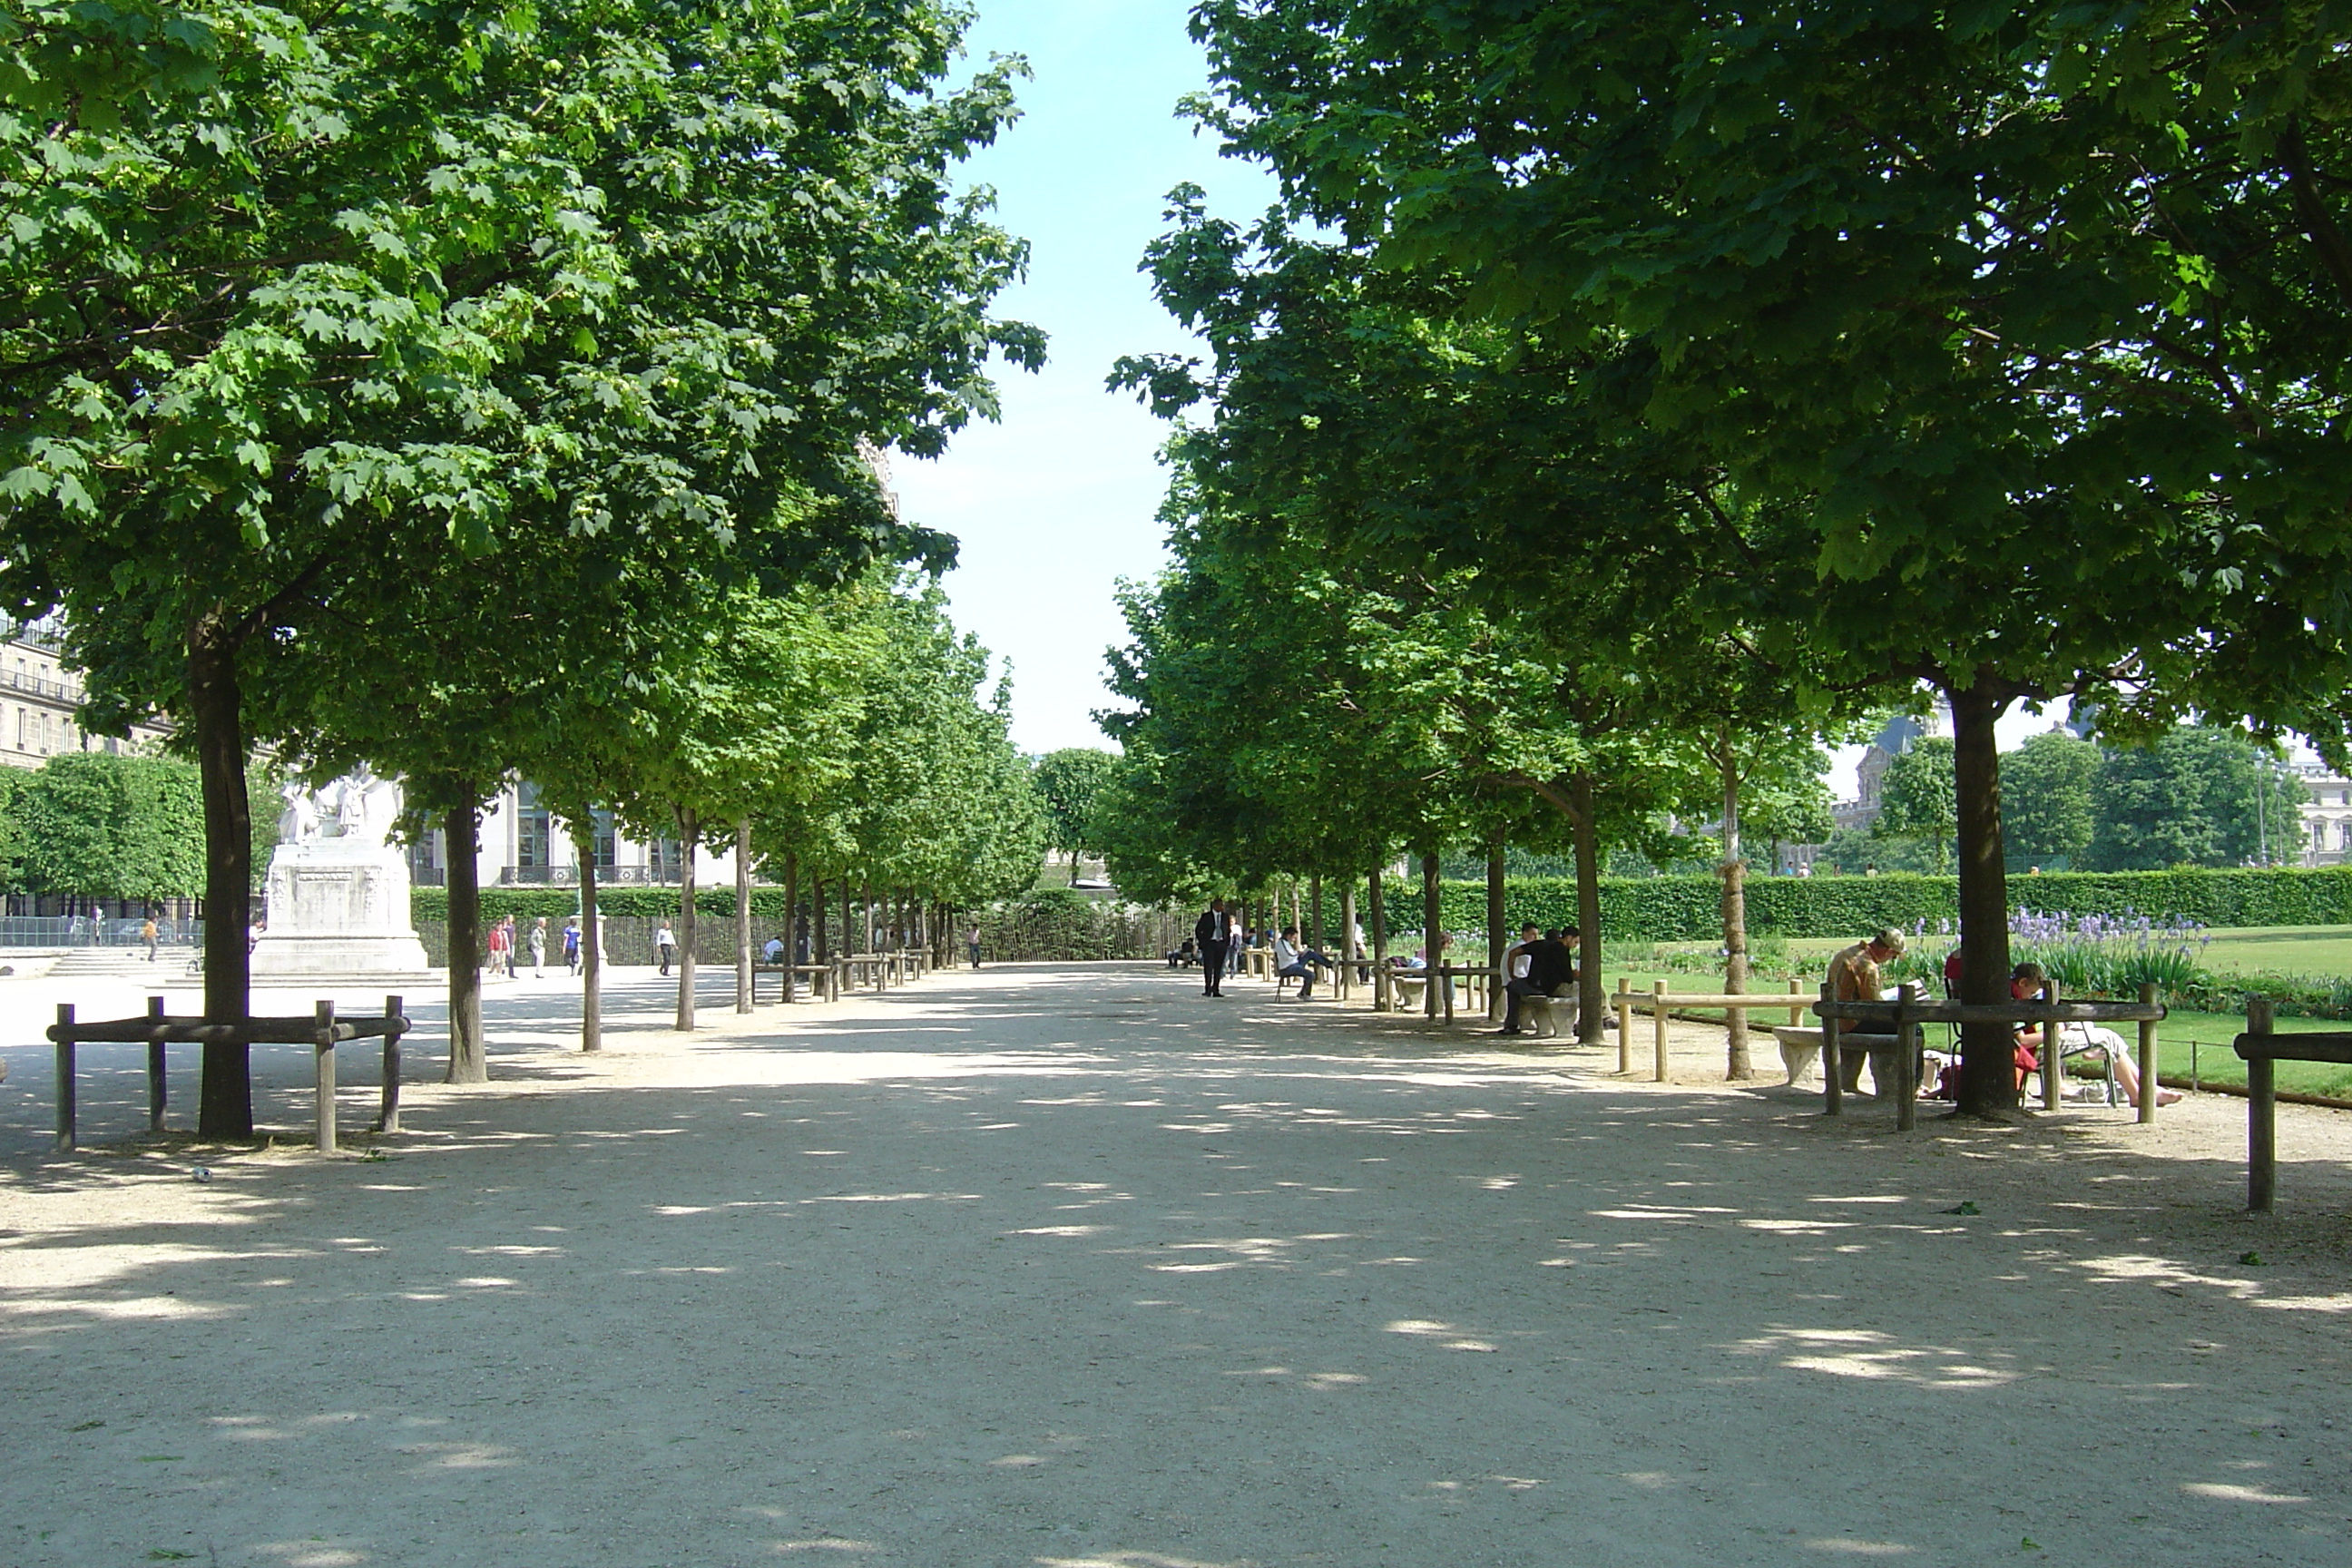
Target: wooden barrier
<point x="322" y="1031"/>
<point x="1662" y="1002"/>
<point x="2262" y="1050"/>
<point x="824" y="981"/>
<point x="1912" y="1010"/>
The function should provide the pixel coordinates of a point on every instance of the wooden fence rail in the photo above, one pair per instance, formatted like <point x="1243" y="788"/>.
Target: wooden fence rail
<point x="322" y="1031"/>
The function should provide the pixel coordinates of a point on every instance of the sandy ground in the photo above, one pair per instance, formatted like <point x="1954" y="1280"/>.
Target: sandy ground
<point x="1075" y="1268"/>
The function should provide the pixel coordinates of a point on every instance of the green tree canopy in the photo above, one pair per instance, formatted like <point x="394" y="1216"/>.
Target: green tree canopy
<point x="1918" y="795"/>
<point x="1069" y="784"/>
<point x="2187" y="800"/>
<point x="108" y="827"/>
<point x="2047" y="798"/>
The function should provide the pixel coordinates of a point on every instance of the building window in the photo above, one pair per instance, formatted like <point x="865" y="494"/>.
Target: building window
<point x="530" y="828"/>
<point x="600" y="832"/>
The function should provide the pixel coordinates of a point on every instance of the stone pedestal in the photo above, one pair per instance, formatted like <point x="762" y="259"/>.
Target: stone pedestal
<point x="338" y="909"/>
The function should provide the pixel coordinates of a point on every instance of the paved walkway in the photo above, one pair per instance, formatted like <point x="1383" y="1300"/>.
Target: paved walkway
<point x="1078" y="1270"/>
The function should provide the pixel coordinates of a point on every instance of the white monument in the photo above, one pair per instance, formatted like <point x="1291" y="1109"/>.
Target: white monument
<point x="337" y="892"/>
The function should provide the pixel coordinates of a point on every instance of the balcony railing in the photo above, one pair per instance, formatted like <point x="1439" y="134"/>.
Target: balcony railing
<point x="569" y="876"/>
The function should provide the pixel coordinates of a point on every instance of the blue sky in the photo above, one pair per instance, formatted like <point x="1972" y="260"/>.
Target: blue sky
<point x="1056" y="502"/>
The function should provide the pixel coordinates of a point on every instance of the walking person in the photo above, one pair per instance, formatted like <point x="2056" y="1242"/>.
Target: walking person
<point x="538" y="948"/>
<point x="571" y="944"/>
<point x="971" y="943"/>
<point x="1214" y="931"/>
<point x="499" y="937"/>
<point x="147" y="935"/>
<point x="665" y="944"/>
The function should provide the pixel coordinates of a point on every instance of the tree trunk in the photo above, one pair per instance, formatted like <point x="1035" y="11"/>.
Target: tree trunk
<point x="1585" y="828"/>
<point x="865" y="907"/>
<point x="591" y="947"/>
<point x="1314" y="910"/>
<point x="1380" y="931"/>
<point x="742" y="914"/>
<point x="848" y="918"/>
<point x="1496" y="938"/>
<point x="791" y="923"/>
<point x="469" y="1059"/>
<point x="1432" y="932"/>
<point x="820" y="924"/>
<point x="216" y="704"/>
<point x="689" y="832"/>
<point x="1735" y="910"/>
<point x="1988" y="1070"/>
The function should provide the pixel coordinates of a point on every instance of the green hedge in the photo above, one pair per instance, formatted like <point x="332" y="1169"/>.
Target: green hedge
<point x="1689" y="908"/>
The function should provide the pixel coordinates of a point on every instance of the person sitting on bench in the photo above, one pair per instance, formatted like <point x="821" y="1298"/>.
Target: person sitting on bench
<point x="1290" y="962"/>
<point x="1541" y="965"/>
<point x="1853" y="977"/>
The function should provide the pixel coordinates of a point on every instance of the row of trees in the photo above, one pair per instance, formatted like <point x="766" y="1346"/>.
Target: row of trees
<point x="2196" y="796"/>
<point x="480" y="391"/>
<point x="1610" y="381"/>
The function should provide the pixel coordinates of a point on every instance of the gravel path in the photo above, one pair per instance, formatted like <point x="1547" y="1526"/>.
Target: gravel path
<point x="1074" y="1268"/>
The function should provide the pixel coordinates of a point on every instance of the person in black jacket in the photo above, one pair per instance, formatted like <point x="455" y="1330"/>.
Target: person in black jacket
<point x="1214" y="931"/>
<point x="1550" y="968"/>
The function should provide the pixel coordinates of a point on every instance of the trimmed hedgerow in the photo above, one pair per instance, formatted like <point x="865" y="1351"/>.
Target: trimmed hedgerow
<point x="1689" y="908"/>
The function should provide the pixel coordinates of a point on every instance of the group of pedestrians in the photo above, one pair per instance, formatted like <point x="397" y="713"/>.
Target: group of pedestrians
<point x="508" y="942"/>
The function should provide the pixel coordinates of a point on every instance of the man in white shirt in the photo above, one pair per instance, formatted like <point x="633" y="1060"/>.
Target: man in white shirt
<point x="1288" y="960"/>
<point x="665" y="944"/>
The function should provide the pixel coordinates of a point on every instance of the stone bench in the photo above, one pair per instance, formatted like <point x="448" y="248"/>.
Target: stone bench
<point x="1536" y="1016"/>
<point x="1800" y="1051"/>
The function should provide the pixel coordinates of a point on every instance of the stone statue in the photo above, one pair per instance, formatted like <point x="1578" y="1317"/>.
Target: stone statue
<point x="337" y="892"/>
<point x="298" y="822"/>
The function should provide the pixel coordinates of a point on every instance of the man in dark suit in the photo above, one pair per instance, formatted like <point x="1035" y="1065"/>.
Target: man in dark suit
<point x="1214" y="931"/>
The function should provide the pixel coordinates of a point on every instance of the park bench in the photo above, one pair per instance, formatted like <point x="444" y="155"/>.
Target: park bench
<point x="856" y="968"/>
<point x="2262" y="1051"/>
<point x="1535" y="1011"/>
<point x="322" y="1031"/>
<point x="822" y="981"/>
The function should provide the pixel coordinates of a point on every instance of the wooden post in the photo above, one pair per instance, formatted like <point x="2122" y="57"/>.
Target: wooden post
<point x="1832" y="1057"/>
<point x="2261" y="1114"/>
<point x="158" y="1087"/>
<point x="2050" y="1044"/>
<point x="2147" y="1055"/>
<point x="322" y="1042"/>
<point x="1624" y="1024"/>
<point x="1658" y="1028"/>
<point x="1907" y="1061"/>
<point x="65" y="1077"/>
<point x="387" y="1116"/>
